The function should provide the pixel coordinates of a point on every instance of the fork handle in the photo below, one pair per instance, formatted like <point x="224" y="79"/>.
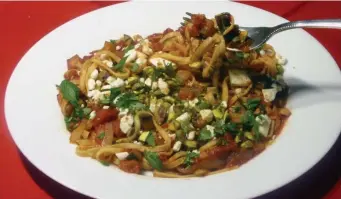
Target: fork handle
<point x="321" y="23"/>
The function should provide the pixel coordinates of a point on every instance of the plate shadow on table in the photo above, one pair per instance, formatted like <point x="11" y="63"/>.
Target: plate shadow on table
<point x="313" y="184"/>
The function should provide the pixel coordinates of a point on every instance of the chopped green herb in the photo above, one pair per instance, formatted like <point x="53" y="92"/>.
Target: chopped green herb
<point x="248" y="120"/>
<point x="205" y="135"/>
<point x="125" y="100"/>
<point x="231" y="127"/>
<point x="222" y="142"/>
<point x="135" y="67"/>
<point x="190" y="157"/>
<point x="119" y="66"/>
<point x="114" y="92"/>
<point x="153" y="159"/>
<point x="236" y="109"/>
<point x="130" y="47"/>
<point x="150" y="140"/>
<point x="256" y="131"/>
<point x="252" y="103"/>
<point x="169" y="69"/>
<point x="112" y="41"/>
<point x="203" y="105"/>
<point x="70" y="92"/>
<point x="157" y="73"/>
<point x="101" y="136"/>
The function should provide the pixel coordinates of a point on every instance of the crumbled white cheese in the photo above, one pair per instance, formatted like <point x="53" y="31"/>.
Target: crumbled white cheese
<point x="280" y="59"/>
<point x="163" y="86"/>
<point x="264" y="124"/>
<point x="118" y="47"/>
<point x="122" y="155"/>
<point x="106" y="107"/>
<point x="224" y="104"/>
<point x="137" y="46"/>
<point x="196" y="151"/>
<point x="92" y="115"/>
<point x="123" y="112"/>
<point x="238" y="90"/>
<point x="186" y="104"/>
<point x="206" y="115"/>
<point x="94" y="74"/>
<point x="98" y="83"/>
<point x="239" y="77"/>
<point x="108" y="63"/>
<point x="152" y="106"/>
<point x="193" y="102"/>
<point x="91" y="84"/>
<point x="159" y="62"/>
<point x="191" y="135"/>
<point x="93" y="93"/>
<point x="184" y="117"/>
<point x="131" y="55"/>
<point x="148" y="82"/>
<point x="110" y="79"/>
<point x="262" y="52"/>
<point x="269" y="94"/>
<point x="211" y="129"/>
<point x="117" y="83"/>
<point x="154" y="86"/>
<point x="126" y="123"/>
<point x="137" y="142"/>
<point x="142" y="80"/>
<point x="104" y="94"/>
<point x="106" y="87"/>
<point x="177" y="146"/>
<point x="141" y="61"/>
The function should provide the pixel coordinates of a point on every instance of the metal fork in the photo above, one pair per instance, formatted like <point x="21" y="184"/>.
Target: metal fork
<point x="260" y="35"/>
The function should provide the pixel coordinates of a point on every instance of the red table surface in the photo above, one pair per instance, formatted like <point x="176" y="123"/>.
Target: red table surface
<point x="24" y="23"/>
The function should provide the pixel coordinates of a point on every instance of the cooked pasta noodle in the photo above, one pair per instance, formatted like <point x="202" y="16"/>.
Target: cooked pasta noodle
<point x="176" y="103"/>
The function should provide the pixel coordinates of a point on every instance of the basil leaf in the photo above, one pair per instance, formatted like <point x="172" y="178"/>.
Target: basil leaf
<point x="205" y="134"/>
<point x="153" y="159"/>
<point x="101" y="136"/>
<point x="70" y="92"/>
<point x="150" y="140"/>
<point x="190" y="157"/>
<point x="119" y="66"/>
<point x="252" y="104"/>
<point x="114" y="92"/>
<point x="248" y="120"/>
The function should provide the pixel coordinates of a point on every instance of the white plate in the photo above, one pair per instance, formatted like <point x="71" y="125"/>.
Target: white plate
<point x="36" y="124"/>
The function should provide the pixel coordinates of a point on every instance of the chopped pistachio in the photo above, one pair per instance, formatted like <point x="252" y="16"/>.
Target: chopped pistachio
<point x="249" y="135"/>
<point x="191" y="144"/>
<point x="247" y="144"/>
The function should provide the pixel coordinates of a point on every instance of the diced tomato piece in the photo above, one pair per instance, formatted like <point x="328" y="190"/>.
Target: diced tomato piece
<point x="168" y="30"/>
<point x="130" y="166"/>
<point x="104" y="115"/>
<point x="71" y="74"/>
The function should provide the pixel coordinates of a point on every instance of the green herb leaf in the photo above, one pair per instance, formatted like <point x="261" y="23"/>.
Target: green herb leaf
<point x="253" y="103"/>
<point x="203" y="105"/>
<point x="157" y="73"/>
<point x="135" y="67"/>
<point x="248" y="120"/>
<point x="101" y="136"/>
<point x="205" y="135"/>
<point x="236" y="109"/>
<point x="70" y="92"/>
<point x="169" y="69"/>
<point x="78" y="112"/>
<point x="112" y="41"/>
<point x="231" y="127"/>
<point x="119" y="66"/>
<point x="130" y="101"/>
<point x="190" y="157"/>
<point x="256" y="131"/>
<point x="114" y="92"/>
<point x="153" y="159"/>
<point x="130" y="47"/>
<point x="150" y="140"/>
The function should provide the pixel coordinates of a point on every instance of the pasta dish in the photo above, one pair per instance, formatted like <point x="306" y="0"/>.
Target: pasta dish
<point x="176" y="103"/>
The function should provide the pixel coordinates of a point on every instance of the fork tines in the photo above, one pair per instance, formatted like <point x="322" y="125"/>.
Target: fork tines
<point x="189" y="14"/>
